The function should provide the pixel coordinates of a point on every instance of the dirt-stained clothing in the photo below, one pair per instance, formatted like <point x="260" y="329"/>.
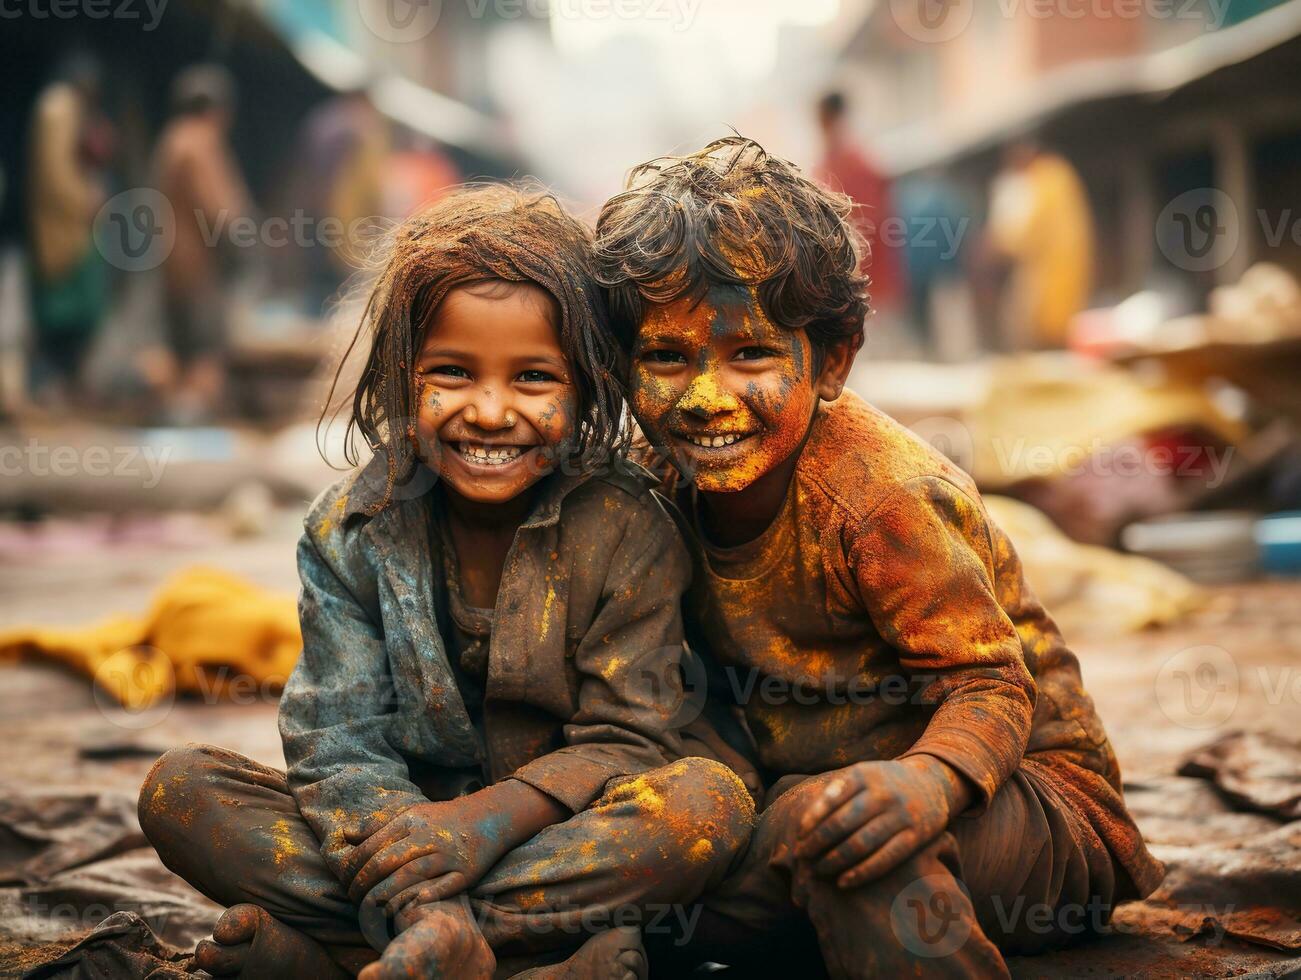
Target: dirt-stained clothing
<point x="585" y="621"/>
<point x="883" y="615"/>
<point x="642" y="852"/>
<point x="582" y="689"/>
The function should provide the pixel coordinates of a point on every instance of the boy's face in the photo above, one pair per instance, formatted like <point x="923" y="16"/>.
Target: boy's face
<point x="495" y="396"/>
<point x="728" y="393"/>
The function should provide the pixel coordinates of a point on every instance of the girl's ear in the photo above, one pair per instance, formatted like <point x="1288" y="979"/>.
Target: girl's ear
<point x="837" y="359"/>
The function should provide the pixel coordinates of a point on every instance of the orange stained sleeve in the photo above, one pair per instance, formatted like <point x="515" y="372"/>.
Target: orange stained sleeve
<point x="924" y="567"/>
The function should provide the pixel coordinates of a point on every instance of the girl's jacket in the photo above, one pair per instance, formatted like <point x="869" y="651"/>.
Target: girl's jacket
<point x="583" y="683"/>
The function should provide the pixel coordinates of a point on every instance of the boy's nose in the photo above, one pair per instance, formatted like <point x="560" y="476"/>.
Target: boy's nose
<point x="705" y="397"/>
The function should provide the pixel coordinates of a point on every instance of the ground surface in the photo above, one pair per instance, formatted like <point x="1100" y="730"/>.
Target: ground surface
<point x="57" y="736"/>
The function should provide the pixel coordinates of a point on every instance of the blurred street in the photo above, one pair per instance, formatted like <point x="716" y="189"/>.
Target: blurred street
<point x="1083" y="230"/>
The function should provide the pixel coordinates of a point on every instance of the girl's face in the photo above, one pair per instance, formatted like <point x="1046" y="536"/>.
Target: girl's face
<point x="496" y="398"/>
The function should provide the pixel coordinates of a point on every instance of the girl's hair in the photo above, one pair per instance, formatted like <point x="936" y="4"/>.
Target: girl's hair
<point x="732" y="214"/>
<point x="482" y="234"/>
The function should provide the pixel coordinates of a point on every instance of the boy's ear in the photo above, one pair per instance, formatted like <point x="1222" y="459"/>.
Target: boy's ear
<point x="837" y="359"/>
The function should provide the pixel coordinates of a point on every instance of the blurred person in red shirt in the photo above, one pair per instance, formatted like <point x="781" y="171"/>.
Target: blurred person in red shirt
<point x="846" y="167"/>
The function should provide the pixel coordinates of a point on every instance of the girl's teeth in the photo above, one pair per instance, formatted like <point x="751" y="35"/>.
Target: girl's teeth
<point x="492" y="457"/>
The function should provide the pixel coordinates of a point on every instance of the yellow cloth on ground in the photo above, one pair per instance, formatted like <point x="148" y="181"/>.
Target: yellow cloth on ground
<point x="208" y="632"/>
<point x="1091" y="590"/>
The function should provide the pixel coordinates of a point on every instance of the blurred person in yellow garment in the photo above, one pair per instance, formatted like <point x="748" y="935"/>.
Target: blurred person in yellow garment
<point x="1039" y="219"/>
<point x="70" y="145"/>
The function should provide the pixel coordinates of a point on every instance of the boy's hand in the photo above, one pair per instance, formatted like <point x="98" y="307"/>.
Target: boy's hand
<point x="875" y="815"/>
<point x="427" y="853"/>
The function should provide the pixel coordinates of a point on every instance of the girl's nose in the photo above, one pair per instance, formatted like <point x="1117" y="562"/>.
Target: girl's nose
<point x="705" y="397"/>
<point x="490" y="413"/>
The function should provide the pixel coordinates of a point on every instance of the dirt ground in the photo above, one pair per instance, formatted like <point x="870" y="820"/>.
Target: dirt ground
<point x="1153" y="690"/>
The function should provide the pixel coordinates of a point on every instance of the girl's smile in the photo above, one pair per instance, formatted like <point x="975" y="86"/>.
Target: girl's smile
<point x="496" y="402"/>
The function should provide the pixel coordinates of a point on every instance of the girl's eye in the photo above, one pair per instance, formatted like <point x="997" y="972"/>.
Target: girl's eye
<point x="754" y="353"/>
<point x="536" y="377"/>
<point x="448" y="371"/>
<point x="662" y="356"/>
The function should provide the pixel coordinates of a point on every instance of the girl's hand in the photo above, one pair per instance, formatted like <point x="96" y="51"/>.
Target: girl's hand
<point x="427" y="853"/>
<point x="874" y="815"/>
<point x="434" y="851"/>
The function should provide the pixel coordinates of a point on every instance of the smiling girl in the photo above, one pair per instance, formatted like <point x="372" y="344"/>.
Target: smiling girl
<point x="480" y="732"/>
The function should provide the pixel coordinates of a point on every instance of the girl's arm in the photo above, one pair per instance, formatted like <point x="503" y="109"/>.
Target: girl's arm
<point x="342" y="769"/>
<point x="630" y="696"/>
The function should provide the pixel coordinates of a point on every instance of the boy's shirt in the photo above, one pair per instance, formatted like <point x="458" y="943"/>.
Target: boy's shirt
<point x="882" y="615"/>
<point x="580" y="684"/>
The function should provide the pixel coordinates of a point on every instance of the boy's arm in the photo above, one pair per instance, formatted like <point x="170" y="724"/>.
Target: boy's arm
<point x="342" y="770"/>
<point x="924" y="565"/>
<point x="629" y="665"/>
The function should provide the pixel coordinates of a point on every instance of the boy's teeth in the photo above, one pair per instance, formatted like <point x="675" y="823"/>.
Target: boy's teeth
<point x="493" y="457"/>
<point x="714" y="442"/>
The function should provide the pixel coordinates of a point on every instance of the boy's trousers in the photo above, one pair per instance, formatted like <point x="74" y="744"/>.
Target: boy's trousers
<point x="640" y="855"/>
<point x="1026" y="875"/>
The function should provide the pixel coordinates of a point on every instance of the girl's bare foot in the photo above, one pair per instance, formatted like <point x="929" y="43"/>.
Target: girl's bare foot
<point x="441" y="941"/>
<point x="248" y="941"/>
<point x="616" y="954"/>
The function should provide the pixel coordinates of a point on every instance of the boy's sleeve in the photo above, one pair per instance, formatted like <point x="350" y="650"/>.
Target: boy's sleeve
<point x="924" y="566"/>
<point x="342" y="770"/>
<point x="629" y="665"/>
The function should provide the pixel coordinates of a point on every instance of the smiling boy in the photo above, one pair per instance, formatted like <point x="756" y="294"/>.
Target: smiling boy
<point x="938" y="783"/>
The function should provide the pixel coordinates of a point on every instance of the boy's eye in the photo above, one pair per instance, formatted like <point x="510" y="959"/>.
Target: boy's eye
<point x="535" y="377"/>
<point x="661" y="356"/>
<point x="448" y="371"/>
<point x="754" y="353"/>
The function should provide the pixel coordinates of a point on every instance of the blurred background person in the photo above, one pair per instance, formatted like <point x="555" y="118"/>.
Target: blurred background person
<point x="938" y="221"/>
<point x="1039" y="219"/>
<point x="71" y="144"/>
<point x="197" y="172"/>
<point x="846" y="167"/>
<point x="345" y="154"/>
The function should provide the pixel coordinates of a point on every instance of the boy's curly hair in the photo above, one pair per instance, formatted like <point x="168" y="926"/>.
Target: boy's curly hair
<point x="733" y="214"/>
<point x="477" y="234"/>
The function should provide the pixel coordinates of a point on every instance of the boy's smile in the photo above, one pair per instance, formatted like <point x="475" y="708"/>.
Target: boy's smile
<point x="495" y="392"/>
<point x="721" y="387"/>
